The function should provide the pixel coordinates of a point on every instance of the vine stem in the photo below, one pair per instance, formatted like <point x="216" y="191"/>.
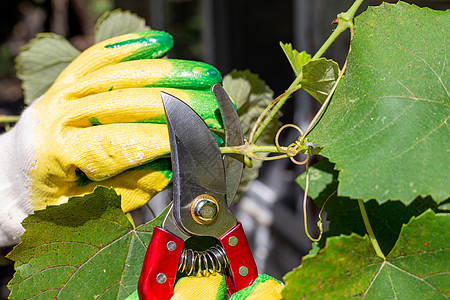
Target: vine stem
<point x="274" y="108"/>
<point x="373" y="240"/>
<point x="8" y="119"/>
<point x="345" y="21"/>
<point x="248" y="150"/>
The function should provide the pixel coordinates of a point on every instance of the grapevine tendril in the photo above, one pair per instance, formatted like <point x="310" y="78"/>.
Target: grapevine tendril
<point x="305" y="217"/>
<point x="295" y="148"/>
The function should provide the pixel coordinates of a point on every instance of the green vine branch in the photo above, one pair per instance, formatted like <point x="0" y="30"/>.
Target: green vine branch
<point x="344" y="21"/>
<point x="271" y="110"/>
<point x="249" y="150"/>
<point x="7" y="120"/>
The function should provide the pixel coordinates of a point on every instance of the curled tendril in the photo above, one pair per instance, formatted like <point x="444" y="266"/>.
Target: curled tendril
<point x="319" y="223"/>
<point x="293" y="149"/>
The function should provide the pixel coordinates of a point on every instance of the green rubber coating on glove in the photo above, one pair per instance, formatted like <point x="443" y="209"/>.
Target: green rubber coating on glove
<point x="222" y="290"/>
<point x="160" y="119"/>
<point x="186" y="74"/>
<point x="202" y="101"/>
<point x="154" y="44"/>
<point x="162" y="166"/>
<point x="243" y="294"/>
<point x="94" y="121"/>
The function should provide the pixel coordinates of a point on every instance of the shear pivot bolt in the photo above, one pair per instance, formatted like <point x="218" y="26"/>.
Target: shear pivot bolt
<point x="243" y="271"/>
<point x="161" y="278"/>
<point x="204" y="209"/>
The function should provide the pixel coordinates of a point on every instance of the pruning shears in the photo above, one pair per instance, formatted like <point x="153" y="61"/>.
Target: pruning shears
<point x="204" y="186"/>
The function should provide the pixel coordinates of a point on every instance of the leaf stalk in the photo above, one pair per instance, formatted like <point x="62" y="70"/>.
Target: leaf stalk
<point x="372" y="237"/>
<point x="7" y="120"/>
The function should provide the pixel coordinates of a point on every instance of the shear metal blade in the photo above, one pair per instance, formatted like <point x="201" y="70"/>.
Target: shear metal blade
<point x="197" y="167"/>
<point x="233" y="137"/>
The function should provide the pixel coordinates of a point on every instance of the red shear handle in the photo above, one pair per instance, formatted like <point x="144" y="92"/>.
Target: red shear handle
<point x="160" y="266"/>
<point x="242" y="265"/>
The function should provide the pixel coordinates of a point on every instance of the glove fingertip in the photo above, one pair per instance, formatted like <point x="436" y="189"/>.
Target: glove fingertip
<point x="187" y="74"/>
<point x="152" y="44"/>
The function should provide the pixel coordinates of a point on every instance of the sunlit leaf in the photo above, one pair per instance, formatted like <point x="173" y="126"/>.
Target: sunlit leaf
<point x="319" y="76"/>
<point x="41" y="61"/>
<point x="84" y="249"/>
<point x="386" y="127"/>
<point x="296" y="59"/>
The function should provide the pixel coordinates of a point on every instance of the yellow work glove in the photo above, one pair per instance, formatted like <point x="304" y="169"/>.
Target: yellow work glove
<point x="101" y="123"/>
<point x="214" y="288"/>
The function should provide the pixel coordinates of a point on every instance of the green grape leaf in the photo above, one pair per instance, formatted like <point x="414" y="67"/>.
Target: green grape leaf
<point x="416" y="268"/>
<point x="295" y="58"/>
<point x="251" y="95"/>
<point x="118" y="22"/>
<point x="41" y="61"/>
<point x="84" y="249"/>
<point x="386" y="126"/>
<point x="344" y="214"/>
<point x="319" y="76"/>
<point x="46" y="56"/>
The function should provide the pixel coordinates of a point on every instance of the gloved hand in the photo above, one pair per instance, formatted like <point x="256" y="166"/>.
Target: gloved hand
<point x="101" y="123"/>
<point x="215" y="288"/>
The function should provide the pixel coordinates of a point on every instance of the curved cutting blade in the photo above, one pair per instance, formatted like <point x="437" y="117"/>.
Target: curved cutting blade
<point x="197" y="168"/>
<point x="233" y="137"/>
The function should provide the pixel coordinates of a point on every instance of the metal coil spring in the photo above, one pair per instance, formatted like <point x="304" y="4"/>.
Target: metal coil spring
<point x="203" y="263"/>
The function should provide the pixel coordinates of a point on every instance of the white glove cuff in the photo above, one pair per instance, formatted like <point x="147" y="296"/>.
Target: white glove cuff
<point x="16" y="154"/>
